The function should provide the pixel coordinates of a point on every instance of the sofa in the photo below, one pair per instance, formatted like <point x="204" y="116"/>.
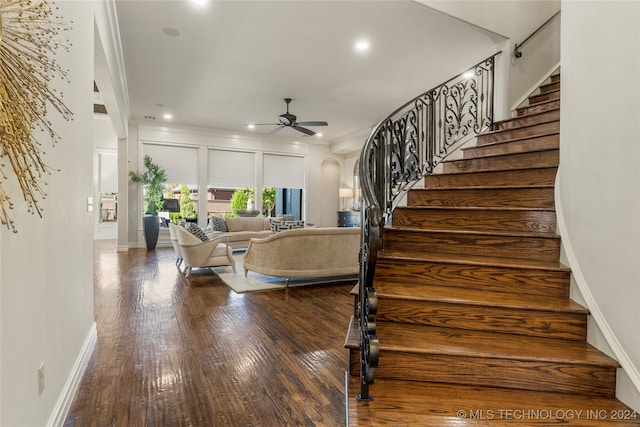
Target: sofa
<point x="305" y="253"/>
<point x="240" y="230"/>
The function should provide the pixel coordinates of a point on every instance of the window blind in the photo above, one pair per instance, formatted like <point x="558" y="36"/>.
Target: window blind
<point x="283" y="171"/>
<point x="180" y="163"/>
<point x="231" y="169"/>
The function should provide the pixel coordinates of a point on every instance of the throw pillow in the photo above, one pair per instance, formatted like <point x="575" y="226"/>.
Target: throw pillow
<point x="218" y="223"/>
<point x="277" y="226"/>
<point x="197" y="231"/>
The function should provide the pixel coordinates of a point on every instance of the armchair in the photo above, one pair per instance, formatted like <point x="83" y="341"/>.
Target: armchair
<point x="173" y="236"/>
<point x="197" y="253"/>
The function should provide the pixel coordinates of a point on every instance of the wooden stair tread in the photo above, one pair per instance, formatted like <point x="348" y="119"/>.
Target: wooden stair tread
<point x="475" y="297"/>
<point x="355" y="290"/>
<point x="499" y="156"/>
<point x="493" y="170"/>
<point x="532" y="115"/>
<point x="476" y="260"/>
<point x="470" y="209"/>
<point x="474" y="232"/>
<point x="482" y="344"/>
<point x="482" y="187"/>
<point x="532" y="125"/>
<point x="508" y="141"/>
<point x="526" y="176"/>
<point x="537" y="104"/>
<point x="352" y="340"/>
<point x="412" y="403"/>
<point x="548" y="85"/>
<point x="552" y="94"/>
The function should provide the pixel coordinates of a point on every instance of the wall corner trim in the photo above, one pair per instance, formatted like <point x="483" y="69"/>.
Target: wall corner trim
<point x="620" y="354"/>
<point x="61" y="409"/>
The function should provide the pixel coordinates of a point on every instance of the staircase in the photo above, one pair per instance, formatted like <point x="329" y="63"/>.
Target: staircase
<point x="474" y="319"/>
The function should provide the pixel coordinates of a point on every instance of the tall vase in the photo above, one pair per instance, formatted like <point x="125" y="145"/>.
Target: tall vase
<point x="151" y="227"/>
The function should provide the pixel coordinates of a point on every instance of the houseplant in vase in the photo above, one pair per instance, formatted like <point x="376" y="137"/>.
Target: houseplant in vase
<point x="153" y="180"/>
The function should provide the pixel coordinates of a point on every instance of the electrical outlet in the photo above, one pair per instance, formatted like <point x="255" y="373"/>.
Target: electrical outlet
<point x="41" y="378"/>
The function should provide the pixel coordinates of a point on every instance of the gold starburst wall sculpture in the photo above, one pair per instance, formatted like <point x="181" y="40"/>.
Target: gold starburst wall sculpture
<point x="28" y="42"/>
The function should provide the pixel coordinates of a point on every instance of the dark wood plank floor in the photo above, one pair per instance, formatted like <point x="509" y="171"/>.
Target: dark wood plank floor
<point x="172" y="352"/>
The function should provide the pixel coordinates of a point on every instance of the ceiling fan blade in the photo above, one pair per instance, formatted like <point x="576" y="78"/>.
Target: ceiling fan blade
<point x="266" y="124"/>
<point x="304" y="130"/>
<point x="311" y="124"/>
<point x="275" y="130"/>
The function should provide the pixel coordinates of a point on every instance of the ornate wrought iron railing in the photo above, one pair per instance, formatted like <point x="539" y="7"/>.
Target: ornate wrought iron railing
<point x="400" y="151"/>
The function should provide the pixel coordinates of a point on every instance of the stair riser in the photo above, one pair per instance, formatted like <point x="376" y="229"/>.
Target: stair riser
<point x="532" y="248"/>
<point x="535" y="323"/>
<point x="354" y="362"/>
<point x="528" y="177"/>
<point x="546" y="142"/>
<point x="555" y="78"/>
<point x="510" y="161"/>
<point x="517" y="133"/>
<point x="506" y="373"/>
<point x="499" y="279"/>
<point x="544" y="97"/>
<point x="546" y="116"/>
<point x="476" y="220"/>
<point x="538" y="108"/>
<point x="509" y="197"/>
<point x="550" y="87"/>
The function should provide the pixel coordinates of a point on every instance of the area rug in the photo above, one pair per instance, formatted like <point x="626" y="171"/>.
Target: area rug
<point x="260" y="282"/>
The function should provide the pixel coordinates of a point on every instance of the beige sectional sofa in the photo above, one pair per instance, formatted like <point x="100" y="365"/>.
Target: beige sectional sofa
<point x="241" y="230"/>
<point x="306" y="252"/>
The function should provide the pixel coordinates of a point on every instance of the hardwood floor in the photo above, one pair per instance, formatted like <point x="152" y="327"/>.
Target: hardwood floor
<point x="178" y="352"/>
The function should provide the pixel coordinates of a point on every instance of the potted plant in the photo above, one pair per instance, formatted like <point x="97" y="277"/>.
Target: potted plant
<point x="153" y="179"/>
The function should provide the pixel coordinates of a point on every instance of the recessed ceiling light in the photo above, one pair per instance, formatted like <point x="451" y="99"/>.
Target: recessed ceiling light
<point x="168" y="116"/>
<point x="468" y="75"/>
<point x="172" y="32"/>
<point x="319" y="134"/>
<point x="362" y="46"/>
<point x="251" y="126"/>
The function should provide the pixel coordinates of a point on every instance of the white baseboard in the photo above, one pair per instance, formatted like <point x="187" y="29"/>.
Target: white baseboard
<point x="61" y="409"/>
<point x="629" y="389"/>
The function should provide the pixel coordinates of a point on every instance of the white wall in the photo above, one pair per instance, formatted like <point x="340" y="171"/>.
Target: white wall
<point x="514" y="20"/>
<point x="314" y="210"/>
<point x="599" y="175"/>
<point x="46" y="269"/>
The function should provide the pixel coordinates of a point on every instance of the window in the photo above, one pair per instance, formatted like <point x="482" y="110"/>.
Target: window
<point x="181" y="166"/>
<point x="286" y="175"/>
<point x="228" y="171"/>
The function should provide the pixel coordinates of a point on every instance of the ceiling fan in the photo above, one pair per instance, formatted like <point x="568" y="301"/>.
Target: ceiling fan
<point x="289" y="120"/>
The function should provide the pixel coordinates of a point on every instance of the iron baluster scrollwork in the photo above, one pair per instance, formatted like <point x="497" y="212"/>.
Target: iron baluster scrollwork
<point x="400" y="151"/>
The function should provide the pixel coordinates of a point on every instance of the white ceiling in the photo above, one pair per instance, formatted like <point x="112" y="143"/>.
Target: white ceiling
<point x="234" y="61"/>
